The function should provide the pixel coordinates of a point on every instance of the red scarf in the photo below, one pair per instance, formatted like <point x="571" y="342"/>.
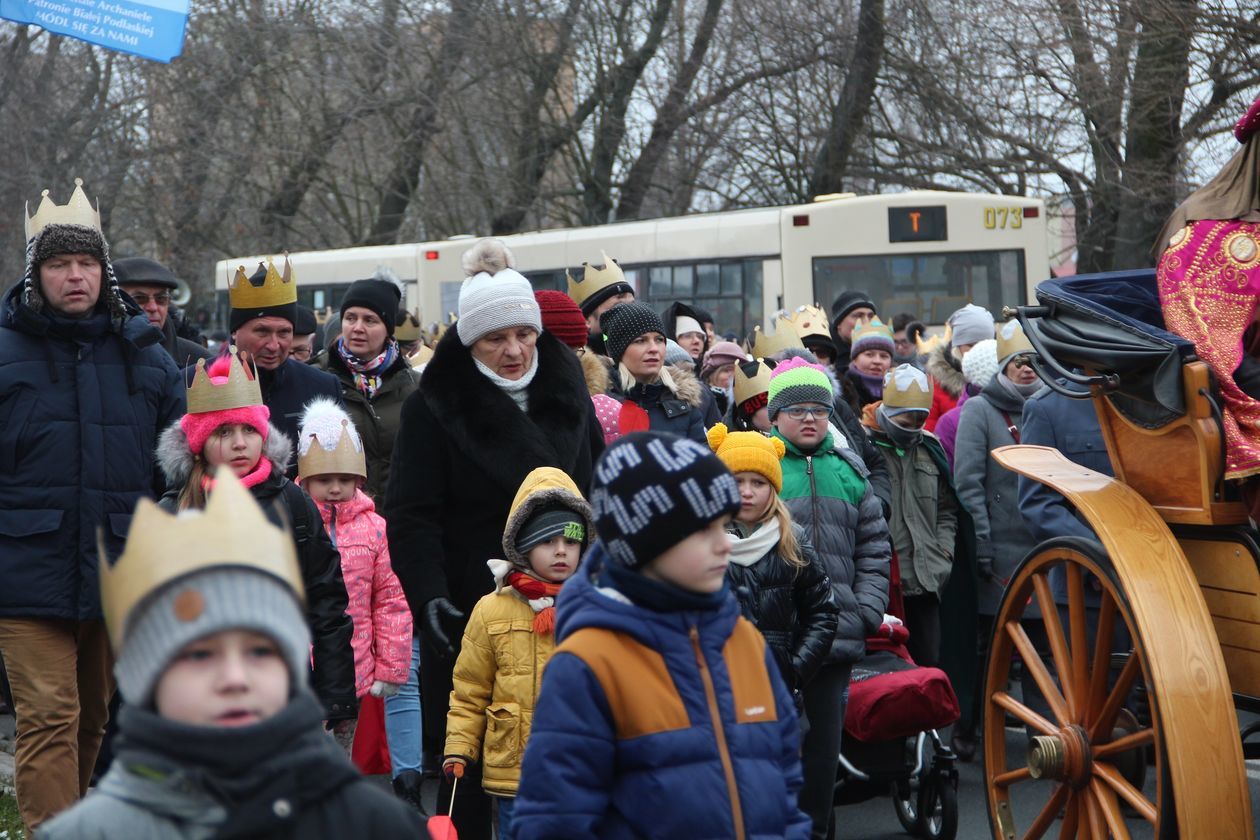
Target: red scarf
<point x="534" y="589"/>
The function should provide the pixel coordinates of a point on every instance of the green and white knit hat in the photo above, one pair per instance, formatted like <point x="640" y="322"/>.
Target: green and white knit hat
<point x="797" y="381"/>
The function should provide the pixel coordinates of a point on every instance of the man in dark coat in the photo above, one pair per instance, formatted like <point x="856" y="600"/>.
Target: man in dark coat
<point x="850" y="309"/>
<point x="151" y="284"/>
<point x="264" y="313"/>
<point x="85" y="389"/>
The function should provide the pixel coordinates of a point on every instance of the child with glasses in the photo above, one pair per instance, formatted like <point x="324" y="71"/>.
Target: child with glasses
<point x="826" y="491"/>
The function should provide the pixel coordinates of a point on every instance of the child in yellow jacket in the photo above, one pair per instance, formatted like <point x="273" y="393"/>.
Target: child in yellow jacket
<point x="510" y="635"/>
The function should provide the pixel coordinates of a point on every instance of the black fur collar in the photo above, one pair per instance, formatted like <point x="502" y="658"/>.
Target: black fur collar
<point x="486" y="425"/>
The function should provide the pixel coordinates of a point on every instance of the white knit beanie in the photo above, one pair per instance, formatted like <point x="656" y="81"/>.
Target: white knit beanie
<point x="495" y="296"/>
<point x="980" y="364"/>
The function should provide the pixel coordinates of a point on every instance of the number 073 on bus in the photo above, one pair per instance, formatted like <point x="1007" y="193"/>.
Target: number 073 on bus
<point x="923" y="252"/>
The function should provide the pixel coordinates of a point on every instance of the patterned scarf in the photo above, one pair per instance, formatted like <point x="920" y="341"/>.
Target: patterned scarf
<point x="367" y="375"/>
<point x="541" y="597"/>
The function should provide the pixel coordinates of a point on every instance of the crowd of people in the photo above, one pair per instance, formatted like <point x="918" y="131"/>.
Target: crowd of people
<point x="573" y="556"/>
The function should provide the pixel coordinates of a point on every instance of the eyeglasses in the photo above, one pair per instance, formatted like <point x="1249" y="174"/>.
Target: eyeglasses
<point x="161" y="298"/>
<point x="800" y="412"/>
<point x="1022" y="361"/>
<point x="300" y="352"/>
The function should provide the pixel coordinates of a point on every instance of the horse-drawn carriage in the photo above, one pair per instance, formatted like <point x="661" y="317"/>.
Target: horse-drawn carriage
<point x="1142" y="643"/>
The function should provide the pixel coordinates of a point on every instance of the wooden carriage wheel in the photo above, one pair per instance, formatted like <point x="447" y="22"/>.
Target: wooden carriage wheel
<point x="1077" y="759"/>
<point x="1144" y="588"/>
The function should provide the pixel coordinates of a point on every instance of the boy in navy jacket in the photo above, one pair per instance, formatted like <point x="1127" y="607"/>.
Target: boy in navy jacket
<point x="662" y="713"/>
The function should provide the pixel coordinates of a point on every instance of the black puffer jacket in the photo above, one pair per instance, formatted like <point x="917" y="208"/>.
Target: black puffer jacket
<point x="331" y="628"/>
<point x="792" y="607"/>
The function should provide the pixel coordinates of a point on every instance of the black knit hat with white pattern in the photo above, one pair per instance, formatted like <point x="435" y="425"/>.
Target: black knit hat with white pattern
<point x="652" y="490"/>
<point x="625" y="322"/>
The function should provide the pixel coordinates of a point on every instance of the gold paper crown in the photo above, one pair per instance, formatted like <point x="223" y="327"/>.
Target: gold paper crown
<point x="276" y="290"/>
<point x="77" y="211"/>
<point x="925" y="344"/>
<point x="810" y="321"/>
<point x="1011" y="340"/>
<point x="594" y="279"/>
<point x="423" y="353"/>
<point x="914" y="396"/>
<point x="232" y="531"/>
<point x="785" y="338"/>
<point x="239" y="391"/>
<point x="747" y="387"/>
<point x="409" y="329"/>
<point x="872" y="327"/>
<point x="342" y="459"/>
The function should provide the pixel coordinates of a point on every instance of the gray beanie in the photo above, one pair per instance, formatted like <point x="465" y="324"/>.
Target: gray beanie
<point x="201" y="604"/>
<point x="676" y="355"/>
<point x="495" y="296"/>
<point x="970" y="325"/>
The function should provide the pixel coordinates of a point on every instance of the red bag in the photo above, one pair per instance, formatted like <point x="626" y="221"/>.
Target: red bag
<point x="890" y="697"/>
<point x="370" y="752"/>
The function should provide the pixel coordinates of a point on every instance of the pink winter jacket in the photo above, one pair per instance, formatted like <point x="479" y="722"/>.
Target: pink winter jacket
<point x="382" y="620"/>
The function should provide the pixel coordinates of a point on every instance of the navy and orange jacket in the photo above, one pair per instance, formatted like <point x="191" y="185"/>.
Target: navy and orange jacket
<point x="658" y="724"/>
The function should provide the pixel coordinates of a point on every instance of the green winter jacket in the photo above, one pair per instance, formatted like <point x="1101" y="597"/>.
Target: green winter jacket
<point x="827" y="493"/>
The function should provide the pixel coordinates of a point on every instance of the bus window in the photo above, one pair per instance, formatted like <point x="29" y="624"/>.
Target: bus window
<point x="929" y="286"/>
<point x="707" y="278"/>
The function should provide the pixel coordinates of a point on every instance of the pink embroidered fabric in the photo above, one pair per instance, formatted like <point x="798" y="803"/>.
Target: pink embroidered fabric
<point x="1209" y="285"/>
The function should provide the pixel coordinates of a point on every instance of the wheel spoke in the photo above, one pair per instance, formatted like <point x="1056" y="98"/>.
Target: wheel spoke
<point x="1131" y="741"/>
<point x="1025" y="714"/>
<point x="1034" y="666"/>
<point x="1057" y="641"/>
<point x="1080" y="637"/>
<point x="1102" y="653"/>
<point x="1012" y="777"/>
<point x="1097" y="825"/>
<point x="1107" y="715"/>
<point x="1048" y="813"/>
<point x="1127" y="791"/>
<point x="1071" y="819"/>
<point x="1110" y="809"/>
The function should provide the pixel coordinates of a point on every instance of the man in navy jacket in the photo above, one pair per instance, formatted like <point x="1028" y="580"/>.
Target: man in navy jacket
<point x="85" y="389"/>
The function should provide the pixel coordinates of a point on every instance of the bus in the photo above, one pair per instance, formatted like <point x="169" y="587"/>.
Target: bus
<point x="923" y="252"/>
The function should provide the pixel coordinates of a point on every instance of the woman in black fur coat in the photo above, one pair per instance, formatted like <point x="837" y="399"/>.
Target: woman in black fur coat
<point x="500" y="398"/>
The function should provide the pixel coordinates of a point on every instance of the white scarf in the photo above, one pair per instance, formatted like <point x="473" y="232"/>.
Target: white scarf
<point x="745" y="551"/>
<point x="517" y="389"/>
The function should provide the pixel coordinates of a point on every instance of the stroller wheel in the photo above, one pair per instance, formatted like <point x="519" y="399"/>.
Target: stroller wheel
<point x="906" y="804"/>
<point x="938" y="808"/>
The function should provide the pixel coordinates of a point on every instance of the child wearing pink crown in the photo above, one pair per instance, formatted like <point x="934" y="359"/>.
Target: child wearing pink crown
<point x="228" y="425"/>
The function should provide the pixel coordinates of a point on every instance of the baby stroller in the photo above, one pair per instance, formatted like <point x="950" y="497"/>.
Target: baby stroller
<point x="890" y="739"/>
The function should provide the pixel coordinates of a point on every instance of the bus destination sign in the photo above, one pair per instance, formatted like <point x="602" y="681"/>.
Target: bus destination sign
<point x="917" y="224"/>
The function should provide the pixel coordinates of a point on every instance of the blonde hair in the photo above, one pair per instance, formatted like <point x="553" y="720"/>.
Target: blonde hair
<point x="789" y="548"/>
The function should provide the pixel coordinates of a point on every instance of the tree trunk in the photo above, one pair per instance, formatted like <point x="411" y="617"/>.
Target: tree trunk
<point x="669" y="118"/>
<point x="400" y="186"/>
<point x="849" y="112"/>
<point x="1160" y="76"/>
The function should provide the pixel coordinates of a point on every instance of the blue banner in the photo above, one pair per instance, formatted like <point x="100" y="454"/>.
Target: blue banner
<point x="148" y="28"/>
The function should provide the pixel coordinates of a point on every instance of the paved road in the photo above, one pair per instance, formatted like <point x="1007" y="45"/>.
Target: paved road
<point x="876" y="820"/>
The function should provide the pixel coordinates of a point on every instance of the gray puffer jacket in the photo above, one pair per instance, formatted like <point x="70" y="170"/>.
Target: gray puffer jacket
<point x="850" y="537"/>
<point x="989" y="491"/>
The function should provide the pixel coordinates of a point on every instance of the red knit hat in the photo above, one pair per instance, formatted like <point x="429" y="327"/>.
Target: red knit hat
<point x="199" y="427"/>
<point x="561" y="317"/>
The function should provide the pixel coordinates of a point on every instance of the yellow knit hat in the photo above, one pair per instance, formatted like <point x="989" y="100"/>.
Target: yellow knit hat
<point x="749" y="452"/>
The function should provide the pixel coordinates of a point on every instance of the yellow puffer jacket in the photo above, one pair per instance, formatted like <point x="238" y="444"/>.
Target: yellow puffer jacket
<point x="501" y="659"/>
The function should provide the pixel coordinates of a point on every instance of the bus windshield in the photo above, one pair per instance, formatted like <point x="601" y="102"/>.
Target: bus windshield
<point x="929" y="286"/>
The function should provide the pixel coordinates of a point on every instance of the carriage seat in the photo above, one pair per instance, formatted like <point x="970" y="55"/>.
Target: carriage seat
<point x="1161" y="420"/>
